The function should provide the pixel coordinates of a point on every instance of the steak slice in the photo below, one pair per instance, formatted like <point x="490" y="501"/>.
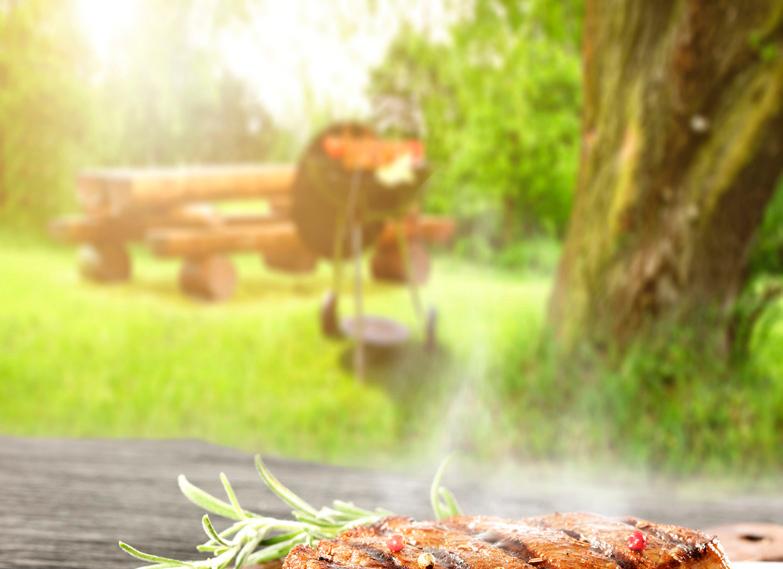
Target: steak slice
<point x="557" y="541"/>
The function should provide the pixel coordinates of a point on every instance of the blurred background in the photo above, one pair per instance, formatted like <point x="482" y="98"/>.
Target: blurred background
<point x="624" y="312"/>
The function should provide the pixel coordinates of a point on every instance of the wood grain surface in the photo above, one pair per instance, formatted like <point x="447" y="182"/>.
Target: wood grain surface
<point x="66" y="503"/>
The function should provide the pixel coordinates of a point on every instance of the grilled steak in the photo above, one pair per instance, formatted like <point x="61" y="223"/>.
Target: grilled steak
<point x="558" y="541"/>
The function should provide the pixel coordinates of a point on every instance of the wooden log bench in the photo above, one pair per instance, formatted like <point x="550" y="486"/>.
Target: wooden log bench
<point x="124" y="191"/>
<point x="172" y="211"/>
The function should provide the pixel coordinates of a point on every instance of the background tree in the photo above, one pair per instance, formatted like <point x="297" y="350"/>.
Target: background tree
<point x="498" y="104"/>
<point x="682" y="146"/>
<point x="44" y="121"/>
<point x="170" y="98"/>
<point x="167" y="97"/>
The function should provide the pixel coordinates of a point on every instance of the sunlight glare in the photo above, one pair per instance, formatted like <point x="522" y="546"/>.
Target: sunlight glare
<point x="105" y="22"/>
<point x="310" y="57"/>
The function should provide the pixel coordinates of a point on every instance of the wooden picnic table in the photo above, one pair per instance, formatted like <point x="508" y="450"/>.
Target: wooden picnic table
<point x="66" y="503"/>
<point x="176" y="212"/>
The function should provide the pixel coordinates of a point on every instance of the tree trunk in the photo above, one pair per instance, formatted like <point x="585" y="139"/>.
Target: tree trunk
<point x="682" y="147"/>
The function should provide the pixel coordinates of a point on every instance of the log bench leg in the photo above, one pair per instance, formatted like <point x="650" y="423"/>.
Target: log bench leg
<point x="105" y="262"/>
<point x="211" y="278"/>
<point x="389" y="264"/>
<point x="299" y="259"/>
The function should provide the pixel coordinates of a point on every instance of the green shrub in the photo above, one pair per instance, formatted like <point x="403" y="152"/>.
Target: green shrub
<point x="767" y="253"/>
<point x="534" y="255"/>
<point x="663" y="409"/>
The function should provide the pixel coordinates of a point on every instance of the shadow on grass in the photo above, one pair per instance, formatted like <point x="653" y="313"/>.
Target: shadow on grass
<point x="406" y="372"/>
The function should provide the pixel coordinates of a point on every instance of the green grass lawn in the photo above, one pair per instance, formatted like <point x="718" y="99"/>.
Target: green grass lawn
<point x="141" y="360"/>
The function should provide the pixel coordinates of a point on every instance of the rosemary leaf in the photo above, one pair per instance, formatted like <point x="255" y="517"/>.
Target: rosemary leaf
<point x="232" y="497"/>
<point x="157" y="559"/>
<point x="279" y="538"/>
<point x="282" y="492"/>
<point x="350" y="509"/>
<point x="312" y="520"/>
<point x="276" y="551"/>
<point x="209" y="529"/>
<point x="444" y="504"/>
<point x="211" y="548"/>
<point x="450" y="502"/>
<point x="221" y="560"/>
<point x="206" y="500"/>
<point x="246" y="550"/>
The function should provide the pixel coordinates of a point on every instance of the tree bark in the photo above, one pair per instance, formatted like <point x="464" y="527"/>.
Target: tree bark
<point x="682" y="147"/>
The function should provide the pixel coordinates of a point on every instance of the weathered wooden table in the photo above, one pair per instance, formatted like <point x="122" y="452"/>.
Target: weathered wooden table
<point x="65" y="503"/>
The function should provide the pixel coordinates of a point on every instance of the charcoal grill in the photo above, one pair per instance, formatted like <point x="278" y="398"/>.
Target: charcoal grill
<point x="342" y="198"/>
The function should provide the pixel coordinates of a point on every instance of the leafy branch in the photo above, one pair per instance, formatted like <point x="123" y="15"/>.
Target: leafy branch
<point x="254" y="538"/>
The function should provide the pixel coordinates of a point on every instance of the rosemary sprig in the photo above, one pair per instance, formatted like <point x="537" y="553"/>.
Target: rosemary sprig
<point x="254" y="538"/>
<point x="444" y="504"/>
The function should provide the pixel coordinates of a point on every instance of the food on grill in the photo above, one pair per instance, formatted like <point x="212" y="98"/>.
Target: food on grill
<point x="556" y="541"/>
<point x="343" y="157"/>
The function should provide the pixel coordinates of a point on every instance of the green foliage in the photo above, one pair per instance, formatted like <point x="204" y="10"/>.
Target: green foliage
<point x="500" y="105"/>
<point x="534" y="254"/>
<point x="756" y="310"/>
<point x="665" y="408"/>
<point x="757" y="306"/>
<point x="256" y="373"/>
<point x="766" y="256"/>
<point x="44" y="124"/>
